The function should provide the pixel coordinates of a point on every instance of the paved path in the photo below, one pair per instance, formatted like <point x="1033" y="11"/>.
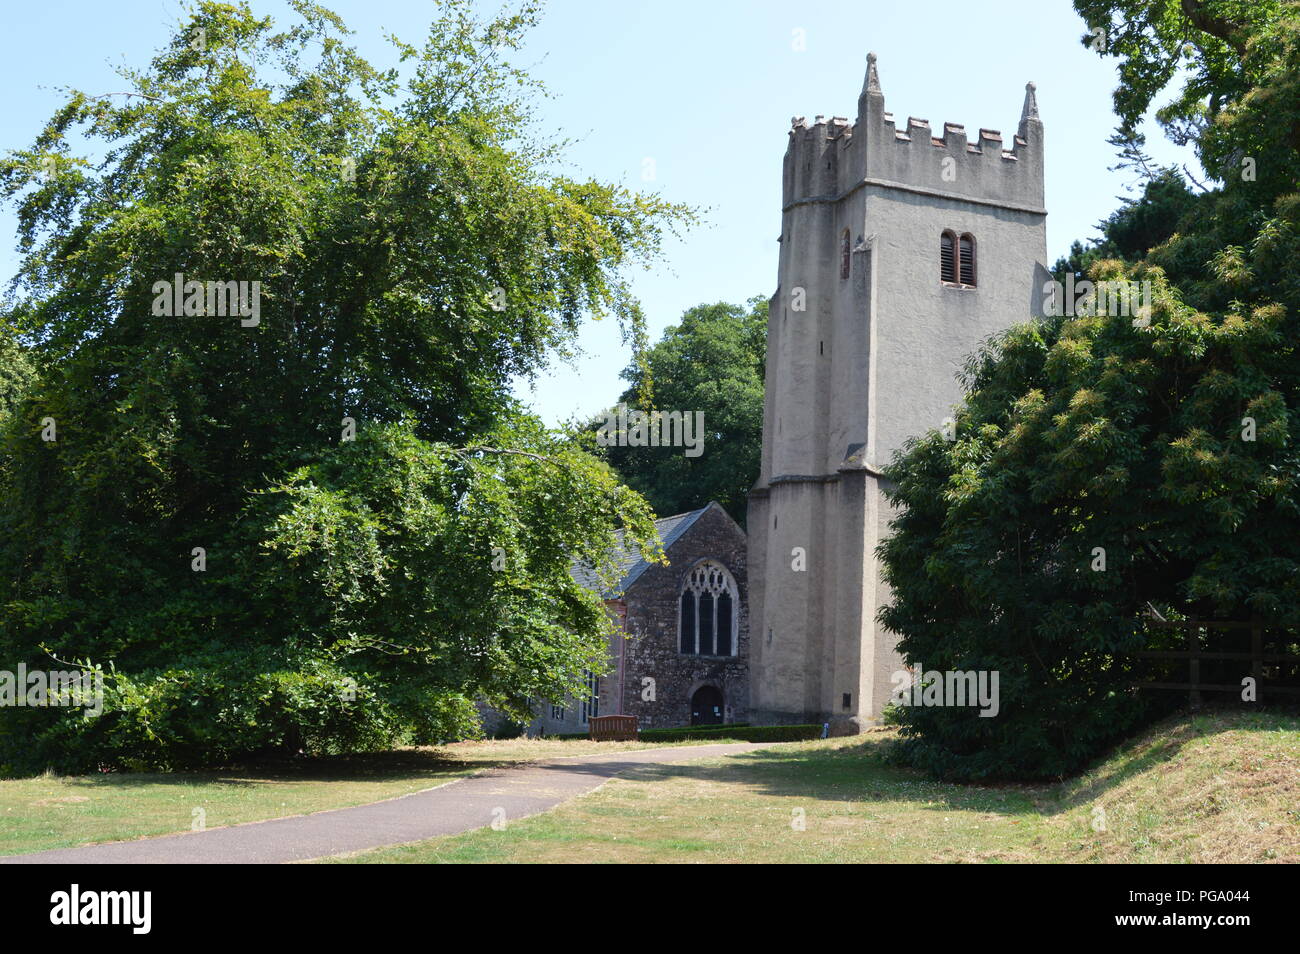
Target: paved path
<point x="458" y="806"/>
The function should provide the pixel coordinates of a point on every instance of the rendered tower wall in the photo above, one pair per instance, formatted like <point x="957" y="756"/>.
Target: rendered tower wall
<point x="869" y="360"/>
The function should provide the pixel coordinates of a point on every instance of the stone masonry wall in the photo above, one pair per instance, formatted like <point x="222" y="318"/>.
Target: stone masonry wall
<point x="651" y="646"/>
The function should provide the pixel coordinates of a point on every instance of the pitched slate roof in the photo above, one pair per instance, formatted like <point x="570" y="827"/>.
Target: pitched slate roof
<point x="630" y="563"/>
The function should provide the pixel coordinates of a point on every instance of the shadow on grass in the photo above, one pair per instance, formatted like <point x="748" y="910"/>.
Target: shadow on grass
<point x="852" y="773"/>
<point x="860" y="772"/>
<point x="394" y="766"/>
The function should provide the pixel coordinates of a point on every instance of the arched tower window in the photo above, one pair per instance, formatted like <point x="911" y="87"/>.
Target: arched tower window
<point x="845" y="255"/>
<point x="708" y="621"/>
<point x="948" y="257"/>
<point x="967" y="261"/>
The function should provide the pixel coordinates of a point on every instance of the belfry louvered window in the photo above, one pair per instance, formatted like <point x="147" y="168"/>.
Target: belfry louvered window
<point x="948" y="257"/>
<point x="846" y="255"/>
<point x="708" y="612"/>
<point x="967" y="262"/>
<point x="957" y="259"/>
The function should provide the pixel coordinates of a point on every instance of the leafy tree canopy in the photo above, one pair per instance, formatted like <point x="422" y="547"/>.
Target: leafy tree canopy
<point x="1112" y="464"/>
<point x="1231" y="56"/>
<point x="1138" y="225"/>
<point x="327" y="525"/>
<point x="711" y="362"/>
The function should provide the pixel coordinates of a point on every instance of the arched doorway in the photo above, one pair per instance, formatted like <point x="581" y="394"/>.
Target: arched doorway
<point x="706" y="706"/>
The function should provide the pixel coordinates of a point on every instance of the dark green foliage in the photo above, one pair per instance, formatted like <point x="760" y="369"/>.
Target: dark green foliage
<point x="1105" y="432"/>
<point x="1138" y="225"/>
<point x="737" y="733"/>
<point x="731" y="732"/>
<point x="1079" y="434"/>
<point x="682" y="730"/>
<point x="16" y="371"/>
<point x="713" y="361"/>
<point x="414" y="256"/>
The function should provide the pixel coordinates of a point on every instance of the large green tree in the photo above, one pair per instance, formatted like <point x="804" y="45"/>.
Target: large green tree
<point x="1109" y="465"/>
<point x="1140" y="224"/>
<point x="711" y="362"/>
<point x="325" y="526"/>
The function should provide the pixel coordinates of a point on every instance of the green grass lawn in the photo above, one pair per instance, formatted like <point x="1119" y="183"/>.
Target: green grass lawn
<point x="52" y="811"/>
<point x="1215" y="787"/>
<point x="1218" y="787"/>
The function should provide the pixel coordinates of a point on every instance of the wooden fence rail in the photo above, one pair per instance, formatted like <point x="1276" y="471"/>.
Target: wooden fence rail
<point x="1282" y="683"/>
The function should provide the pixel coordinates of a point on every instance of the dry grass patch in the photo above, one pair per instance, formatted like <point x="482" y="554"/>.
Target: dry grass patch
<point x="1212" y="787"/>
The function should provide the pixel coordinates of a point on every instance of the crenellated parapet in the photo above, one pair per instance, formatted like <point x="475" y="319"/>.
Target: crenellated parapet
<point x="828" y="158"/>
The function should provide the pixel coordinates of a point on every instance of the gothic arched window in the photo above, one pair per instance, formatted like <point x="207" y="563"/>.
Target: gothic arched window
<point x="845" y="255"/>
<point x="708" y="621"/>
<point x="948" y="257"/>
<point x="967" y="260"/>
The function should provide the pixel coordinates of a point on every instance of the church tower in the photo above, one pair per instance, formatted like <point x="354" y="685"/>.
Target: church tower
<point x="900" y="251"/>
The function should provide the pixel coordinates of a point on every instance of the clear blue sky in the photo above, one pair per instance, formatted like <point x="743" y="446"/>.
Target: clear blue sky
<point x="706" y="90"/>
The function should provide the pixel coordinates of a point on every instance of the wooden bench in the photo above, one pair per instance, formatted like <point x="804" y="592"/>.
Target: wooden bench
<point x="613" y="728"/>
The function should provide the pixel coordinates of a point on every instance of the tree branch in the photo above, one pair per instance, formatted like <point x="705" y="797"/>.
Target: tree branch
<point x="1218" y="27"/>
